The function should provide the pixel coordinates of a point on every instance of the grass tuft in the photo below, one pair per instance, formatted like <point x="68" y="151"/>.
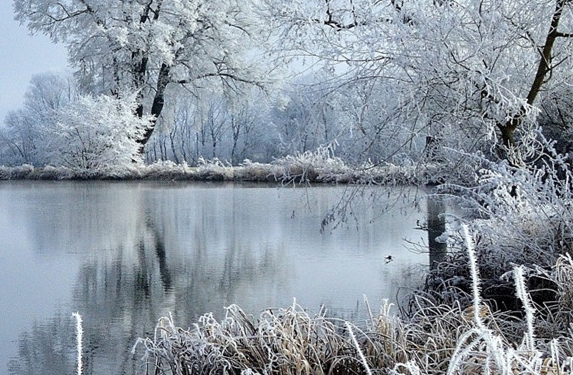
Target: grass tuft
<point x="454" y="339"/>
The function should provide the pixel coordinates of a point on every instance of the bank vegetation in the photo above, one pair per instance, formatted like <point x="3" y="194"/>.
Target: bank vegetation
<point x="431" y="339"/>
<point x="319" y="166"/>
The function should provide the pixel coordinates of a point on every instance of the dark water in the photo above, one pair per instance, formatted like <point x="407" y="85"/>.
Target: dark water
<point x="125" y="254"/>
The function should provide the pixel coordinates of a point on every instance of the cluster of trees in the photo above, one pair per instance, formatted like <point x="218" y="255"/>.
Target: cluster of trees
<point x="389" y="81"/>
<point x="299" y="117"/>
<point x="60" y="126"/>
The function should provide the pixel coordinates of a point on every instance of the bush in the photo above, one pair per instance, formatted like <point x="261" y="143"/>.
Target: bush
<point x="97" y="133"/>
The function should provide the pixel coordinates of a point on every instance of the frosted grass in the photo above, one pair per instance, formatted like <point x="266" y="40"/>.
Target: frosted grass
<point x="309" y="167"/>
<point x="79" y="341"/>
<point x="437" y="339"/>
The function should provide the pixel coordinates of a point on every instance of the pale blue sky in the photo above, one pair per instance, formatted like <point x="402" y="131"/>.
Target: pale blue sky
<point x="22" y="56"/>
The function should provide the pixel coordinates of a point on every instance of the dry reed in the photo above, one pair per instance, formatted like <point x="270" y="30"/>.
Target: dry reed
<point x="435" y="339"/>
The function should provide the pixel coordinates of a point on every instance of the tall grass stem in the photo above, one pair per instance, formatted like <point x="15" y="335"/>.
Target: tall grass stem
<point x="360" y="353"/>
<point x="79" y="339"/>
<point x="475" y="277"/>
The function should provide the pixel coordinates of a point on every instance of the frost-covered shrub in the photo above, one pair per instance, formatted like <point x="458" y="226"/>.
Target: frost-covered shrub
<point x="253" y="171"/>
<point x="524" y="216"/>
<point x="51" y="173"/>
<point x="97" y="133"/>
<point x="214" y="170"/>
<point x="319" y="165"/>
<point x="21" y="172"/>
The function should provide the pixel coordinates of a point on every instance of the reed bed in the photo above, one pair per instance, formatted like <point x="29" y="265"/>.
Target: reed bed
<point x="286" y="341"/>
<point x="456" y="338"/>
<point x="303" y="168"/>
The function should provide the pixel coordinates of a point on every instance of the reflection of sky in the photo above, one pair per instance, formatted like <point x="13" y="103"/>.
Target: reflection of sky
<point x="31" y="285"/>
<point x="348" y="263"/>
<point x="130" y="252"/>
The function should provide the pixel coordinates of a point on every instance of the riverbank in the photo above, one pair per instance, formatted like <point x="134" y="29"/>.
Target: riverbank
<point x="286" y="170"/>
<point x="468" y="337"/>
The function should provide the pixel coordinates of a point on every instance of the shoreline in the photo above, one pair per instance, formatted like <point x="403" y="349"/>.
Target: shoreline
<point x="216" y="171"/>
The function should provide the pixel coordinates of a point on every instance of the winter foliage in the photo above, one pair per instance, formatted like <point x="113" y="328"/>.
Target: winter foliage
<point x="146" y="47"/>
<point x="466" y="73"/>
<point x="472" y="97"/>
<point x="389" y="81"/>
<point x="97" y="133"/>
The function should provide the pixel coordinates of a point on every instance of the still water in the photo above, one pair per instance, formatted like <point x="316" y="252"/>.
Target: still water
<point x="123" y="254"/>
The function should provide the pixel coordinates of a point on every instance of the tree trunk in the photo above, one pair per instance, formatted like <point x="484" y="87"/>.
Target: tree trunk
<point x="508" y="129"/>
<point x="157" y="105"/>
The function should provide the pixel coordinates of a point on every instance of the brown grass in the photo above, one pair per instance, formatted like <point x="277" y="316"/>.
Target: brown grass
<point x="435" y="339"/>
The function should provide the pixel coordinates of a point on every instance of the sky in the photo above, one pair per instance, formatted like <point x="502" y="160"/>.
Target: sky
<point x="22" y="56"/>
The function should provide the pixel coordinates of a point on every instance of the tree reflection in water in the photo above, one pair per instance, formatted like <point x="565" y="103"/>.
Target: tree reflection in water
<point x="436" y="227"/>
<point x="147" y="252"/>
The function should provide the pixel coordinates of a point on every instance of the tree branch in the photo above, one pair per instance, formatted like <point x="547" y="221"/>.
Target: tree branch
<point x="563" y="35"/>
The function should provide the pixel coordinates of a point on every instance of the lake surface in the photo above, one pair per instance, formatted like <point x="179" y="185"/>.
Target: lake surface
<point x="124" y="254"/>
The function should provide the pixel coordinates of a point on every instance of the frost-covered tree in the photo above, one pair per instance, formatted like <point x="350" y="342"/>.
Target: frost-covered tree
<point x="146" y="46"/>
<point x="213" y="126"/>
<point x="24" y="139"/>
<point x="469" y="73"/>
<point x="556" y="118"/>
<point x="98" y="133"/>
<point x="292" y="120"/>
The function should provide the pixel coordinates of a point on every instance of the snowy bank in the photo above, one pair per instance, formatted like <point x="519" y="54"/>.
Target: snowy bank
<point x="292" y="169"/>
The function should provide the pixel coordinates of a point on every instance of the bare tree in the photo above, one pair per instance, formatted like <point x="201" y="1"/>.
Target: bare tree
<point x="469" y="74"/>
<point x="26" y="136"/>
<point x="125" y="46"/>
